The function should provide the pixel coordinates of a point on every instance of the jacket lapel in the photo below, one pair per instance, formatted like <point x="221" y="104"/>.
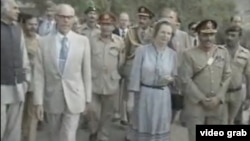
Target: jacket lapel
<point x="54" y="51"/>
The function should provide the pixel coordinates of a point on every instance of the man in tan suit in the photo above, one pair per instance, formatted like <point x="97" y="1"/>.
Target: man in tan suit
<point x="62" y="77"/>
<point x="180" y="43"/>
<point x="205" y="74"/>
<point x="107" y="58"/>
<point x="136" y="36"/>
<point x="15" y="72"/>
<point x="30" y="24"/>
<point x="240" y="63"/>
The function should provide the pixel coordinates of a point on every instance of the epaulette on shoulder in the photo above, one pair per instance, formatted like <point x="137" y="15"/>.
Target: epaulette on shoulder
<point x="244" y="50"/>
<point x="221" y="46"/>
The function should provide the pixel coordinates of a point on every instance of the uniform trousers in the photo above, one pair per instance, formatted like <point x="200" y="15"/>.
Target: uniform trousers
<point x="11" y="119"/>
<point x="100" y="112"/>
<point x="29" y="122"/>
<point x="233" y="104"/>
<point x="62" y="127"/>
<point x="197" y="115"/>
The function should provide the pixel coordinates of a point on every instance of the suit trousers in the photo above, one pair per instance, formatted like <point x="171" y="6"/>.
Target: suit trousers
<point x="11" y="119"/>
<point x="29" y="122"/>
<point x="62" y="127"/>
<point x="100" y="112"/>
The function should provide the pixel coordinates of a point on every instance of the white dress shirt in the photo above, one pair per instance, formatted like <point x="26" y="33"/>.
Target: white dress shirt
<point x="123" y="30"/>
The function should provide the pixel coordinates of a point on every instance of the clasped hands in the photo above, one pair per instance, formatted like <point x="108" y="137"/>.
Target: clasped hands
<point x="210" y="103"/>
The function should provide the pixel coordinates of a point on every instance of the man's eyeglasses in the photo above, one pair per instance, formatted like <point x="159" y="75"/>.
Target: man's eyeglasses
<point x="65" y="17"/>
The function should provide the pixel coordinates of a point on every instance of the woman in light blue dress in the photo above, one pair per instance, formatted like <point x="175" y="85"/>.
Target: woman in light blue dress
<point x="154" y="67"/>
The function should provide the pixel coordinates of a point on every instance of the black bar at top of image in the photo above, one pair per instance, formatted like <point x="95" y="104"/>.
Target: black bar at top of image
<point x="223" y="132"/>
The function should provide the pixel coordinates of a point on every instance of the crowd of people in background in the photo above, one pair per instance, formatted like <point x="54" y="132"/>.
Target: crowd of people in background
<point x="63" y="74"/>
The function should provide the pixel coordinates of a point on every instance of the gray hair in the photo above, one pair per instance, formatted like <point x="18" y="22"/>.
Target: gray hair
<point x="4" y="6"/>
<point x="63" y="5"/>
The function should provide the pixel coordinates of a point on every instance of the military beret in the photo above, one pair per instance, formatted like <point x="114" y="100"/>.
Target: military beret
<point x="144" y="11"/>
<point x="107" y="18"/>
<point x="89" y="9"/>
<point x="207" y="26"/>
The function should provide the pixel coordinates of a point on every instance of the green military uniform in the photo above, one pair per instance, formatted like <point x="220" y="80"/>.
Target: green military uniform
<point x="136" y="37"/>
<point x="86" y="29"/>
<point x="204" y="75"/>
<point x="240" y="64"/>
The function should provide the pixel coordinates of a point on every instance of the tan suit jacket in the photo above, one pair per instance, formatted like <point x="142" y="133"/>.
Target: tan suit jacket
<point x="180" y="43"/>
<point x="68" y="91"/>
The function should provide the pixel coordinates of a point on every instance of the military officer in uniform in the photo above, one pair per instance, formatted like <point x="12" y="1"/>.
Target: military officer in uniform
<point x="107" y="51"/>
<point x="136" y="36"/>
<point x="240" y="63"/>
<point x="90" y="28"/>
<point x="30" y="25"/>
<point x="205" y="74"/>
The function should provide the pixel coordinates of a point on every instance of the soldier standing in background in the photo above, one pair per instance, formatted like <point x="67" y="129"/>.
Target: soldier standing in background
<point x="30" y="24"/>
<point x="90" y="28"/>
<point x="205" y="75"/>
<point x="240" y="65"/>
<point x="107" y="57"/>
<point x="136" y="36"/>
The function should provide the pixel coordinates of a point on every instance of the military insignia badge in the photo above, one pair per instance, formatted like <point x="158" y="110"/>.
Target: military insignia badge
<point x="142" y="9"/>
<point x="106" y="16"/>
<point x="209" y="25"/>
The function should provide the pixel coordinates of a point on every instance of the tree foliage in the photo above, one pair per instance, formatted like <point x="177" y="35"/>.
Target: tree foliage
<point x="189" y="10"/>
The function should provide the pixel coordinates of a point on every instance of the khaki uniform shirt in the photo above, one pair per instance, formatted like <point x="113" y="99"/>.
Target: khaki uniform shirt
<point x="89" y="32"/>
<point x="212" y="81"/>
<point x="32" y="44"/>
<point x="240" y="64"/>
<point x="133" y="40"/>
<point x="106" y="60"/>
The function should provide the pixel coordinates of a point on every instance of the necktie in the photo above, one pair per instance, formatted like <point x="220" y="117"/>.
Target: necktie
<point x="195" y="42"/>
<point x="63" y="54"/>
<point x="123" y="33"/>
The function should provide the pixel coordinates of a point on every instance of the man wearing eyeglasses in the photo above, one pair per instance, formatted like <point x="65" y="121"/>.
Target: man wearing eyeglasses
<point x="62" y="77"/>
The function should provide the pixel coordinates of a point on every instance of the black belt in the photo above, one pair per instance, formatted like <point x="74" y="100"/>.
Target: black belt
<point x="234" y="90"/>
<point x="153" y="87"/>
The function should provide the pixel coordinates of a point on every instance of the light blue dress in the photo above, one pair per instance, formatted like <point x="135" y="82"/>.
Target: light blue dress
<point x="151" y="118"/>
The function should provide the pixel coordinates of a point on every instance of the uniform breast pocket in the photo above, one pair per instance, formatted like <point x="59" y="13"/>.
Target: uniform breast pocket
<point x="114" y="52"/>
<point x="219" y="62"/>
<point x="241" y="62"/>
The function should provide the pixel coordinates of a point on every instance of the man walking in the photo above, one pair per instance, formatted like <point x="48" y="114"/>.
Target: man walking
<point x="62" y="77"/>
<point x="15" y="72"/>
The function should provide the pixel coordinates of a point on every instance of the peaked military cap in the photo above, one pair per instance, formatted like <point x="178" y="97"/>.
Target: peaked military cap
<point x="107" y="18"/>
<point x="144" y="11"/>
<point x="89" y="9"/>
<point x="207" y="26"/>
